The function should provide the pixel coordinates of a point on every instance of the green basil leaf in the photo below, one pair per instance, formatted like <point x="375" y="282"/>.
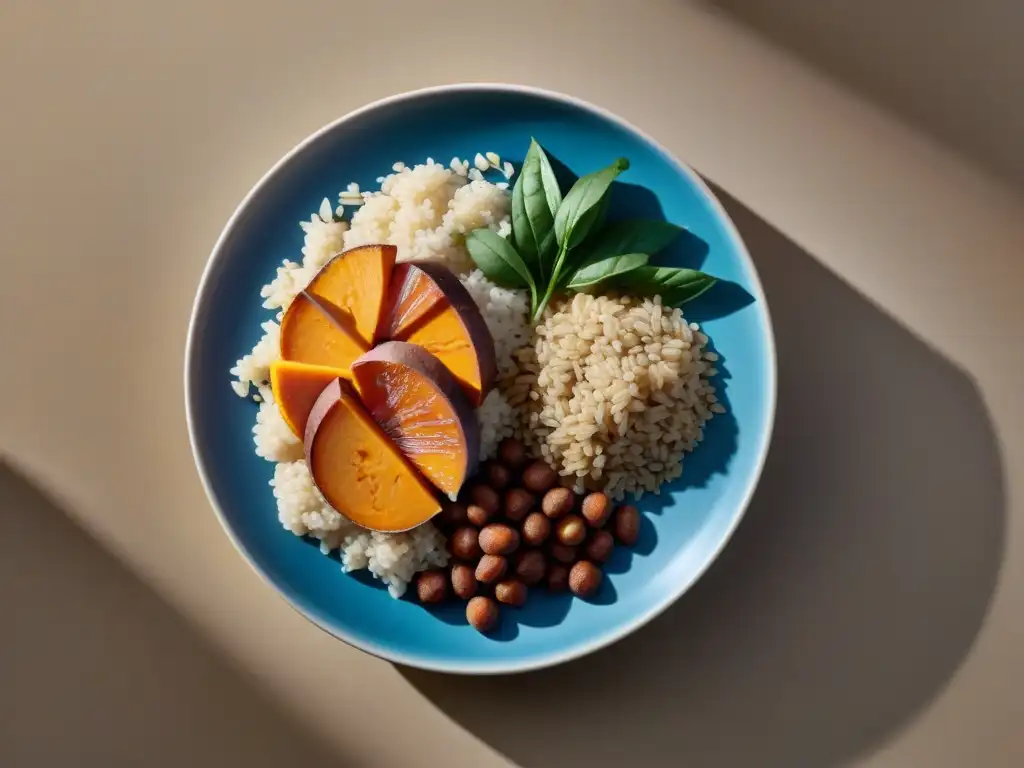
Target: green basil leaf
<point x="675" y="297"/>
<point x="675" y="285"/>
<point x="522" y="229"/>
<point x="533" y="222"/>
<point x="548" y="180"/>
<point x="498" y="260"/>
<point x="595" y="220"/>
<point x="633" y="236"/>
<point x="582" y="207"/>
<point x="607" y="269"/>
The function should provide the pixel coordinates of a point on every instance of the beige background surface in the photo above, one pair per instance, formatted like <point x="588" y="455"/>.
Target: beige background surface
<point x="951" y="68"/>
<point x="871" y="607"/>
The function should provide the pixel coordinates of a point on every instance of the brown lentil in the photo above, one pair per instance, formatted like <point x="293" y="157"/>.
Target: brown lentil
<point x="512" y="453"/>
<point x="482" y="613"/>
<point x="499" y="539"/>
<point x="486" y="497"/>
<point x="571" y="530"/>
<point x="584" y="578"/>
<point x="491" y="568"/>
<point x="600" y="546"/>
<point x="464" y="544"/>
<point x="463" y="581"/>
<point x="530" y="566"/>
<point x="596" y="509"/>
<point x="477" y="515"/>
<point x="562" y="552"/>
<point x="518" y="503"/>
<point x="498" y="476"/>
<point x="538" y="477"/>
<point x="627" y="524"/>
<point x="431" y="586"/>
<point x="510" y="592"/>
<point x="558" y="502"/>
<point x="536" y="528"/>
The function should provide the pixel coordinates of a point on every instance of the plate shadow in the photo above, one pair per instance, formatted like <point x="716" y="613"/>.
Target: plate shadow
<point x="634" y="201"/>
<point x="847" y="599"/>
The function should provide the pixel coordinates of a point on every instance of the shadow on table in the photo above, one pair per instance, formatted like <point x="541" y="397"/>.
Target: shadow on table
<point x="897" y="55"/>
<point x="97" y="670"/>
<point x="848" y="597"/>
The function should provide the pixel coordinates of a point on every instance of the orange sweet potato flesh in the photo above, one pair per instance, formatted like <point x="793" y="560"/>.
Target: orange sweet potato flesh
<point x="418" y="403"/>
<point x="411" y="296"/>
<point x="359" y="470"/>
<point x="314" y="332"/>
<point x="454" y="332"/>
<point x="355" y="284"/>
<point x="296" y="387"/>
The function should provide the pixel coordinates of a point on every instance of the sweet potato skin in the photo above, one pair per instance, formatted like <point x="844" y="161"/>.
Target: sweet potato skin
<point x="417" y="359"/>
<point x="459" y="299"/>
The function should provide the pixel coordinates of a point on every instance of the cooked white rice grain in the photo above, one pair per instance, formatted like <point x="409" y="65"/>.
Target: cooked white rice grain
<point x="393" y="558"/>
<point x="497" y="421"/>
<point x="254" y="368"/>
<point x="273" y="438"/>
<point x="425" y="211"/>
<point x="300" y="507"/>
<point x="476" y="205"/>
<point x="506" y="314"/>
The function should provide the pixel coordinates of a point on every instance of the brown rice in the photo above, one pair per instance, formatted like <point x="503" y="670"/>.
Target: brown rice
<point x="615" y="392"/>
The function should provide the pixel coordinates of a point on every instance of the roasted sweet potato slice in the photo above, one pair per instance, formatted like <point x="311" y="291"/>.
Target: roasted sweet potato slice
<point x="411" y="296"/>
<point x="355" y="284"/>
<point x="314" y="332"/>
<point x="296" y="387"/>
<point x="454" y="331"/>
<point x="357" y="468"/>
<point x="421" y="407"/>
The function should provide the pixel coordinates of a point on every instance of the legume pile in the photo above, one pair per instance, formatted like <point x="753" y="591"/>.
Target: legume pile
<point x="515" y="527"/>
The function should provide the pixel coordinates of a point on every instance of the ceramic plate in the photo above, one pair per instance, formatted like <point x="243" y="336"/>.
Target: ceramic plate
<point x="683" y="529"/>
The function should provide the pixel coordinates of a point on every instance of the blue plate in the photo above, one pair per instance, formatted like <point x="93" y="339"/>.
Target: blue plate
<point x="683" y="529"/>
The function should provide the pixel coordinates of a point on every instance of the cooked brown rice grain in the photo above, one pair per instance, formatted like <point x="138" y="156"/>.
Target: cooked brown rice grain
<point x="614" y="392"/>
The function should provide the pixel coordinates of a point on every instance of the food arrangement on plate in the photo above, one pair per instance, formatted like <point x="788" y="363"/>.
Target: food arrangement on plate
<point x="463" y="383"/>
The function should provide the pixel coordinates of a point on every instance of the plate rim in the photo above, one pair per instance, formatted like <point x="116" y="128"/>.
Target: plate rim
<point x="497" y="666"/>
